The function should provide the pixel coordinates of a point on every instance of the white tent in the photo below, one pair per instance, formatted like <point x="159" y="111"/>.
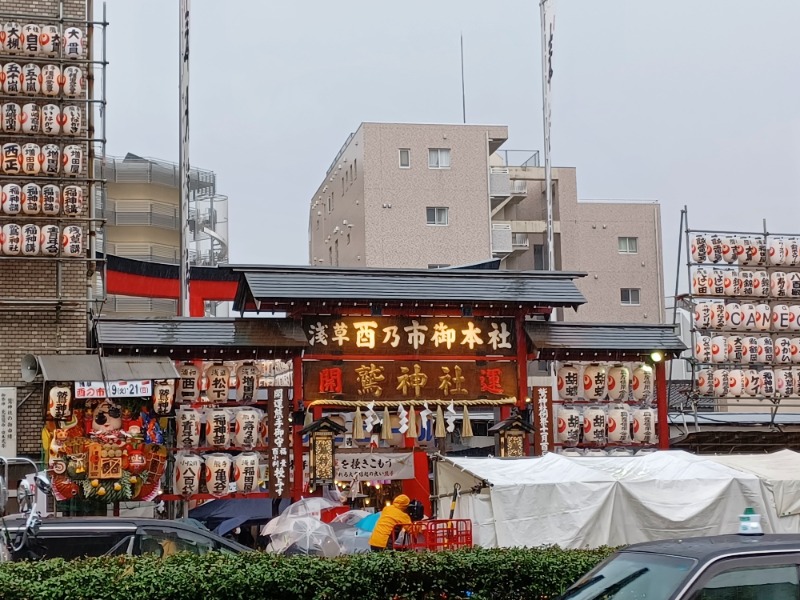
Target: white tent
<point x="580" y="502"/>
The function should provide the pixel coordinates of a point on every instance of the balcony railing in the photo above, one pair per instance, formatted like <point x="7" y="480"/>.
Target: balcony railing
<point x="520" y="241"/>
<point x="145" y="170"/>
<point x="151" y="306"/>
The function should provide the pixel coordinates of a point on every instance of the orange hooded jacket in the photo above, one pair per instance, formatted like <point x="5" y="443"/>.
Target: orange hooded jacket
<point x="394" y="514"/>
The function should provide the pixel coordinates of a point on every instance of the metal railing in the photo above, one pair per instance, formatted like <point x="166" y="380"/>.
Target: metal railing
<point x="520" y="158"/>
<point x="520" y="240"/>
<point x="150" y="170"/>
<point x="130" y="304"/>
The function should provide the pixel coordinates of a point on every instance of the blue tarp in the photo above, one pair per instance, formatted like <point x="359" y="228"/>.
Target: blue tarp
<point x="253" y="510"/>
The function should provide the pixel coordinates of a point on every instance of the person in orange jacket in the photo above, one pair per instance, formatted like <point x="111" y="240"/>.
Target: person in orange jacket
<point x="394" y="514"/>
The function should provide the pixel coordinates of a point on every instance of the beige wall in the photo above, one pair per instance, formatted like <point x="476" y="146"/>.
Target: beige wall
<point x="143" y="191"/>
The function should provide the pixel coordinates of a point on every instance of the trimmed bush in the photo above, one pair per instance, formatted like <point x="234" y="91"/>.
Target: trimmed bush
<point x="509" y="574"/>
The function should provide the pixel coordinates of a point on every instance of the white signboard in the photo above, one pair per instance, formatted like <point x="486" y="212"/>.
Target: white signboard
<point x="368" y="466"/>
<point x="8" y="422"/>
<point x="114" y="389"/>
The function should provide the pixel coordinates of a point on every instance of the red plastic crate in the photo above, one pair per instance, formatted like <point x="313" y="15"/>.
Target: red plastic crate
<point x="434" y="535"/>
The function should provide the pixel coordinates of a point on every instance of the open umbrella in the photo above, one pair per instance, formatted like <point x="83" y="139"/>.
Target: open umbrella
<point x="229" y="525"/>
<point x="440" y="430"/>
<point x="351" y="517"/>
<point x="386" y="426"/>
<point x="412" y="424"/>
<point x="466" y="427"/>
<point x="358" y="425"/>
<point x="302" y="535"/>
<point x="368" y="523"/>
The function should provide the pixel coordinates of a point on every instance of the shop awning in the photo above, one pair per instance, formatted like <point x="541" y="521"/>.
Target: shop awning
<point x="120" y="368"/>
<point x="64" y="367"/>
<point x="90" y="367"/>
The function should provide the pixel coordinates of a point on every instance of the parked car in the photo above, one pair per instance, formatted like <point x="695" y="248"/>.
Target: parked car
<point x="757" y="567"/>
<point x="75" y="537"/>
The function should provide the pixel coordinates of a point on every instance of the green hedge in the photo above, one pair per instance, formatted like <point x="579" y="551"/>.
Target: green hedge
<point x="509" y="574"/>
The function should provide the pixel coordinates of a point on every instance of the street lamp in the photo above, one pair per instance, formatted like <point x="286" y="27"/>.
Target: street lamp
<point x="321" y="459"/>
<point x="509" y="436"/>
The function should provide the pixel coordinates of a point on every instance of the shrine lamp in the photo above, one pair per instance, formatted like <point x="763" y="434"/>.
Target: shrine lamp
<point x="509" y="437"/>
<point x="321" y="460"/>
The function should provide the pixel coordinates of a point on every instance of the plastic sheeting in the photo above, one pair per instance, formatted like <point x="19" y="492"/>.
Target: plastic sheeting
<point x="579" y="502"/>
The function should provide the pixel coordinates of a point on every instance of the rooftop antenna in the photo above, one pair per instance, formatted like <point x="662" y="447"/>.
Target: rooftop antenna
<point x="463" y="94"/>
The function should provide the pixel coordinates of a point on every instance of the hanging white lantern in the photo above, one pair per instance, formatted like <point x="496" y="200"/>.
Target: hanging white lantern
<point x="735" y="383"/>
<point x="51" y="81"/>
<point x="715" y="248"/>
<point x="702" y="348"/>
<point x="729" y="249"/>
<point x="704" y="381"/>
<point x="735" y="349"/>
<point x="784" y="382"/>
<point x="52" y="159"/>
<point x="12" y="199"/>
<point x="642" y="383"/>
<point x="31" y="39"/>
<point x="12" y="79"/>
<point x="72" y="241"/>
<point x="795" y="350"/>
<point x="31" y="79"/>
<point x="12" y="158"/>
<point x="218" y="474"/>
<point x="245" y="472"/>
<point x="746" y="283"/>
<point x="644" y="426"/>
<point x="796" y="377"/>
<point x="11" y="38"/>
<point x="594" y="425"/>
<point x="187" y="427"/>
<point x="12" y="117"/>
<point x="716" y="282"/>
<point x="763" y="317"/>
<point x="699" y="248"/>
<point x="569" y="424"/>
<point x="793" y="251"/>
<point x="73" y="200"/>
<point x="31" y="118"/>
<point x="763" y="253"/>
<point x="567" y="382"/>
<point x="51" y="200"/>
<point x="72" y="160"/>
<point x="12" y="239"/>
<point x="246" y="382"/>
<point x="733" y="316"/>
<point x="783" y="351"/>
<point x="51" y="236"/>
<point x="780" y="317"/>
<point x="72" y="82"/>
<point x="766" y="350"/>
<point x="188" y="470"/>
<point x="777" y="251"/>
<point x="750" y="350"/>
<point x="619" y="423"/>
<point x="731" y="283"/>
<point x="743" y="245"/>
<point x="793" y="285"/>
<point x="719" y="349"/>
<point x="761" y="284"/>
<point x="218" y="424"/>
<point x="59" y="403"/>
<point x="748" y="317"/>
<point x="31" y="240"/>
<point x="718" y="315"/>
<point x="778" y="285"/>
<point x="31" y="199"/>
<point x="190" y="374"/>
<point x="50" y="41"/>
<point x="721" y="383"/>
<point x="750" y="382"/>
<point x="702" y="315"/>
<point x="618" y="382"/>
<point x="163" y="397"/>
<point x="700" y="282"/>
<point x="766" y="383"/>
<point x="263" y="430"/>
<point x="71" y="120"/>
<point x="594" y="381"/>
<point x="245" y="427"/>
<point x="72" y="42"/>
<point x="31" y="159"/>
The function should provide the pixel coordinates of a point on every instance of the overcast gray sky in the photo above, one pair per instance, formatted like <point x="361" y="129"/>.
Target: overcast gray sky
<point x="692" y="102"/>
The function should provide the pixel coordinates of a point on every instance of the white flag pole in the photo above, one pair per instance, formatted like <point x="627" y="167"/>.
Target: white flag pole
<point x="183" y="159"/>
<point x="547" y="13"/>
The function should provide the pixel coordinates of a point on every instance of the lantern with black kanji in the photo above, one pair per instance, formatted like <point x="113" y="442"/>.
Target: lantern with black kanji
<point x="321" y="461"/>
<point x="509" y="437"/>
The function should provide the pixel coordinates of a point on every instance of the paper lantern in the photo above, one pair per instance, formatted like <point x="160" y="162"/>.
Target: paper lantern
<point x="748" y="317"/>
<point x="72" y="82"/>
<point x="719" y="349"/>
<point x="11" y="38"/>
<point x="218" y="424"/>
<point x="59" y="403"/>
<point x="733" y="317"/>
<point x="246" y="382"/>
<point x="245" y="427"/>
<point x="31" y="39"/>
<point x="72" y="42"/>
<point x="766" y="350"/>
<point x="188" y="470"/>
<point x="72" y="241"/>
<point x="735" y="383"/>
<point x="618" y="382"/>
<point x="245" y="472"/>
<point x="51" y="200"/>
<point x="51" y="155"/>
<point x="644" y="426"/>
<point x="567" y="382"/>
<point x="735" y="349"/>
<point x="12" y="78"/>
<point x="51" y="236"/>
<point x="569" y="424"/>
<point x="218" y="474"/>
<point x="12" y="117"/>
<point x="796" y="377"/>
<point x="780" y="317"/>
<point x="31" y="79"/>
<point x="187" y="427"/>
<point x="12" y="239"/>
<point x="716" y="282"/>
<point x="717" y="315"/>
<point x="263" y="430"/>
<point x="163" y="396"/>
<point x="793" y="251"/>
<point x="761" y="284"/>
<point x="715" y="248"/>
<point x="777" y="251"/>
<point x="218" y="377"/>
<point x="743" y="251"/>
<point x="704" y="381"/>
<point x="31" y="199"/>
<point x="72" y="160"/>
<point x="700" y="282"/>
<point x="73" y="200"/>
<point x="766" y="383"/>
<point x="31" y="159"/>
<point x="31" y="240"/>
<point x="729" y="249"/>
<point x="594" y="425"/>
<point x="763" y="252"/>
<point x="642" y="383"/>
<point x="619" y="423"/>
<point x="702" y="348"/>
<point x="702" y="315"/>
<point x="731" y="284"/>
<point x="784" y="382"/>
<point x="30" y="118"/>
<point x="51" y="81"/>
<point x="795" y="350"/>
<point x="793" y="285"/>
<point x="750" y="349"/>
<point x="778" y="284"/>
<point x="763" y="316"/>
<point x="721" y="383"/>
<point x="782" y="351"/>
<point x="71" y="120"/>
<point x="594" y="381"/>
<point x="749" y="382"/>
<point x="50" y="41"/>
<point x="699" y="248"/>
<point x="746" y="282"/>
<point x="189" y="384"/>
<point x="12" y="158"/>
<point x="11" y="199"/>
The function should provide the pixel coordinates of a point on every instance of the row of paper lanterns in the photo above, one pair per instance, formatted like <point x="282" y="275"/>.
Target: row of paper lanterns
<point x="198" y="381"/>
<point x="752" y="350"/>
<point x="217" y="427"/>
<point x="718" y="315"/>
<point x="50" y="159"/>
<point x="33" y="199"/>
<point x="737" y="283"/>
<point x="49" y="81"/>
<point x="767" y="383"/>
<point x="49" y="120"/>
<point x="218" y="470"/>
<point x="601" y="452"/>
<point x="776" y="251"/>
<point x="33" y="39"/>
<point x="595" y="381"/>
<point x="615" y="423"/>
<point x="46" y="240"/>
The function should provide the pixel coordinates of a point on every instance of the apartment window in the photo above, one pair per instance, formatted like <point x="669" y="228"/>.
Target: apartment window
<point x="438" y="266"/>
<point x="342" y="186"/>
<point x="348" y="239"/>
<point x="438" y="158"/>
<point x="538" y="257"/>
<point x="437" y="215"/>
<point x="405" y="158"/>
<point x="629" y="296"/>
<point x="336" y="251"/>
<point x="330" y="203"/>
<point x="355" y="168"/>
<point x="330" y="255"/>
<point x="628" y="245"/>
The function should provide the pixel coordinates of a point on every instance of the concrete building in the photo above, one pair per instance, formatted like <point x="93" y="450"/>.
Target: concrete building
<point x="409" y="195"/>
<point x="143" y="222"/>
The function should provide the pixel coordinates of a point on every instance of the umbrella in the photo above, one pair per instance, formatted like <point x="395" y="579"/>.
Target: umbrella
<point x="440" y="430"/>
<point x="301" y="535"/>
<point x="412" y="424"/>
<point x="351" y="517"/>
<point x="358" y="425"/>
<point x="386" y="426"/>
<point x="466" y="427"/>
<point x="310" y="507"/>
<point x="352" y="540"/>
<point x="368" y="523"/>
<point x="230" y="524"/>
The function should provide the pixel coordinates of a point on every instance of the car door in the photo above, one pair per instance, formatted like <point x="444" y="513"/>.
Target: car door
<point x="166" y="541"/>
<point x="767" y="577"/>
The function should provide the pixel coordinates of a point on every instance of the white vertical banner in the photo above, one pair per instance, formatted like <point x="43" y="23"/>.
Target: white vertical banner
<point x="547" y="9"/>
<point x="183" y="150"/>
<point x="8" y="422"/>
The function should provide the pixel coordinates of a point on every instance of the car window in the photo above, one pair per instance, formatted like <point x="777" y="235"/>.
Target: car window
<point x="122" y="548"/>
<point x="166" y="542"/>
<point x="78" y="544"/>
<point x="770" y="582"/>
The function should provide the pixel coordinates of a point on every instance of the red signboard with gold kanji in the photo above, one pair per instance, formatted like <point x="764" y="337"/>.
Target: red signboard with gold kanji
<point x="408" y="380"/>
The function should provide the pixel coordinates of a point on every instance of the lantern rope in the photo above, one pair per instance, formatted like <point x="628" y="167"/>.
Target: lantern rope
<point x="414" y="402"/>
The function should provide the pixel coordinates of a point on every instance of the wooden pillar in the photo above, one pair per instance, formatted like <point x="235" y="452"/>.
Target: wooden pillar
<point x="297" y="439"/>
<point x="662" y="405"/>
<point x="522" y="376"/>
<point x="419" y="488"/>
